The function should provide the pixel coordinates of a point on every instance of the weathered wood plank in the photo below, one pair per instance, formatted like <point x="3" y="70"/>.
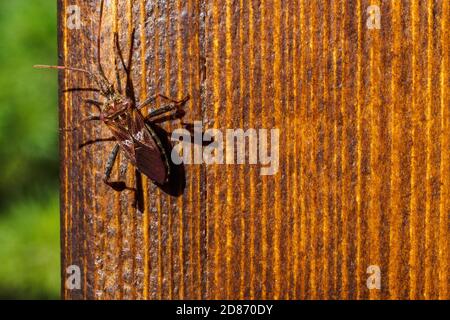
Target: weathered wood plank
<point x="364" y="152"/>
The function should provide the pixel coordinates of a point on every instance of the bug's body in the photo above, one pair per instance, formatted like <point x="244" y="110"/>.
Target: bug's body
<point x="137" y="139"/>
<point x="121" y="114"/>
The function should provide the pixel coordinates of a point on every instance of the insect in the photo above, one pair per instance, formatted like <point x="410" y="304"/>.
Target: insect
<point x="120" y="112"/>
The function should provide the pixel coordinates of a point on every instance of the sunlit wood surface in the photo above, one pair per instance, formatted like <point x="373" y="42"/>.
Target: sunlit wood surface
<point x="364" y="158"/>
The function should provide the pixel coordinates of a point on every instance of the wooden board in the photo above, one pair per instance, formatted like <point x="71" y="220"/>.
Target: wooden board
<point x="363" y="175"/>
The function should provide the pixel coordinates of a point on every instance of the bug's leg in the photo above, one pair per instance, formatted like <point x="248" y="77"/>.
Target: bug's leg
<point x="116" y="185"/>
<point x="94" y="76"/>
<point x="118" y="53"/>
<point x="179" y="102"/>
<point x="81" y="89"/>
<point x="147" y="102"/>
<point x="99" y="33"/>
<point x="161" y="111"/>
<point x="105" y="86"/>
<point x="130" y="87"/>
<point x="126" y="67"/>
<point x="95" y="103"/>
<point x="83" y="121"/>
<point x="151" y="99"/>
<point x="94" y="141"/>
<point x="110" y="163"/>
<point x="169" y="108"/>
<point x="119" y="83"/>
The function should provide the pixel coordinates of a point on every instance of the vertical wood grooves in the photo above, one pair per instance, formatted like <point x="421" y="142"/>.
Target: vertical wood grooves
<point x="445" y="147"/>
<point x="343" y="163"/>
<point x="84" y="195"/>
<point x="371" y="166"/>
<point x="243" y="276"/>
<point x="312" y="168"/>
<point x="303" y="154"/>
<point x="364" y="152"/>
<point x="277" y="119"/>
<point x="295" y="155"/>
<point x="264" y="211"/>
<point x="335" y="166"/>
<point x="159" y="293"/>
<point x="288" y="105"/>
<point x="359" y="160"/>
<point x="63" y="148"/>
<point x="227" y="123"/>
<point x="90" y="274"/>
<point x="145" y="183"/>
<point x="251" y="181"/>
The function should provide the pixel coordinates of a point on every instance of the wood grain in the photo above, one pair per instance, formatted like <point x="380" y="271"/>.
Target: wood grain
<point x="364" y="152"/>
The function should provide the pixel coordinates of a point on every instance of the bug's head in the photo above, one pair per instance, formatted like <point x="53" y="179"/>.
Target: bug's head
<point x="116" y="106"/>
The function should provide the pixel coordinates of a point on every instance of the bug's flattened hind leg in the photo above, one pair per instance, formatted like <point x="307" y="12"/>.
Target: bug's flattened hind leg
<point x="151" y="99"/>
<point x="147" y="102"/>
<point x="110" y="163"/>
<point x="139" y="194"/>
<point x="161" y="111"/>
<point x="178" y="102"/>
<point x="177" y="106"/>
<point x="116" y="185"/>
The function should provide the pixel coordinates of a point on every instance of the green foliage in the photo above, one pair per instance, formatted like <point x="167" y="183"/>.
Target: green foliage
<point x="29" y="235"/>
<point x="29" y="223"/>
<point x="28" y="99"/>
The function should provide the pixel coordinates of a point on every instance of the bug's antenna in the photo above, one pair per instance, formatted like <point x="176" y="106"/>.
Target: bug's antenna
<point x="40" y="66"/>
<point x="130" y="90"/>
<point x="93" y="75"/>
<point x="119" y="51"/>
<point x="130" y="55"/>
<point x="100" y="67"/>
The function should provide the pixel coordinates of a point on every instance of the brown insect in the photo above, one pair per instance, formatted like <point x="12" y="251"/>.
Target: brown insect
<point x="121" y="114"/>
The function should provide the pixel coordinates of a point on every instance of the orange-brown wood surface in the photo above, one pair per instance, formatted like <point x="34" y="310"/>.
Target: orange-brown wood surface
<point x="364" y="180"/>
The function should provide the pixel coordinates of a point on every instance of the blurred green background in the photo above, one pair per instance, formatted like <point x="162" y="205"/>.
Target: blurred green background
<point x="29" y="205"/>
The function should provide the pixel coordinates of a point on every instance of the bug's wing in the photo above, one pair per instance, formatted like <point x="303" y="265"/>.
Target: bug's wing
<point x="150" y="156"/>
<point x="149" y="161"/>
<point x="125" y="140"/>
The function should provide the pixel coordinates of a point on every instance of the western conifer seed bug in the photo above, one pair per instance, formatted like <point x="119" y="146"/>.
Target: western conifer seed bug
<point x="121" y="114"/>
